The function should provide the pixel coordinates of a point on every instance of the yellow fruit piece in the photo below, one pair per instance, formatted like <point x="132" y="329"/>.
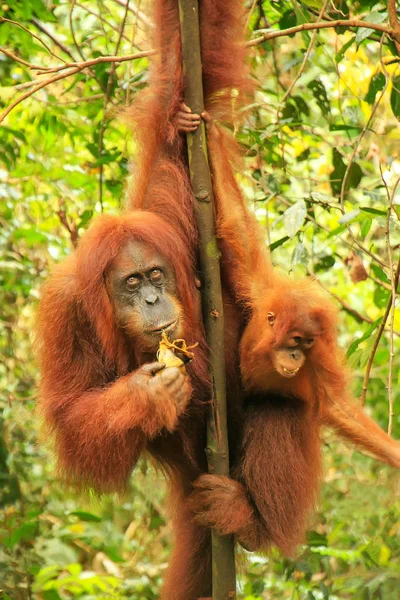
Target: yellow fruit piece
<point x="174" y="354"/>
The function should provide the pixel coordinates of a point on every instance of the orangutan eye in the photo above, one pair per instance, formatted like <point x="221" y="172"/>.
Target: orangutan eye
<point x="308" y="343"/>
<point x="156" y="276"/>
<point x="133" y="283"/>
<point x="294" y="341"/>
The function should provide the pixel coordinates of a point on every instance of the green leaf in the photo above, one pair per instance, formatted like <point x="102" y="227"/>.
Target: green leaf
<point x="316" y="539"/>
<point x="344" y="127"/>
<point x="379" y="273"/>
<point x="340" y="55"/>
<point x="395" y="97"/>
<point x="339" y="170"/>
<point x="350" y="216"/>
<point x="85" y="218"/>
<point x="86" y="516"/>
<point x="31" y="236"/>
<point x="373" y="211"/>
<point x="300" y="255"/>
<point x="321" y="97"/>
<point x="50" y="595"/>
<point x="381" y="297"/>
<point x="278" y="243"/>
<point x="376" y="84"/>
<point x="353" y="347"/>
<point x="336" y="231"/>
<point x="325" y="263"/>
<point x="366" y="225"/>
<point x="293" y="218"/>
<point x="288" y="20"/>
<point x="364" y="32"/>
<point x="26" y="532"/>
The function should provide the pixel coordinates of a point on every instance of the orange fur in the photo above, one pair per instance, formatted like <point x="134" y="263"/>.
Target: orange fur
<point x="279" y="464"/>
<point x="101" y="422"/>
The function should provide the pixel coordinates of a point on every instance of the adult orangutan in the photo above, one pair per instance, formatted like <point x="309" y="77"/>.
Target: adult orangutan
<point x="133" y="276"/>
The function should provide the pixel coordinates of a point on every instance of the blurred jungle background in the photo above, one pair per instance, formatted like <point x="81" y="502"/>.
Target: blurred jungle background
<point x="322" y="145"/>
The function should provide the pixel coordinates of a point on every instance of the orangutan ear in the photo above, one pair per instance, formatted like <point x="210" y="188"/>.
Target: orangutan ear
<point x="271" y="318"/>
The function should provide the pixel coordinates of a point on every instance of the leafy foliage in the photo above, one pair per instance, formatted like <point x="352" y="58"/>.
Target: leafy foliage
<point x="322" y="161"/>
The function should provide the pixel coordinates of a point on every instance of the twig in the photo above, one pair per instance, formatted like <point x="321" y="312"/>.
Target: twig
<point x="55" y="41"/>
<point x="71" y="27"/>
<point x="393" y="297"/>
<point x="100" y="59"/>
<point x="347" y="173"/>
<point x="100" y="18"/>
<point x="270" y="35"/>
<point x="106" y="101"/>
<point x="305" y="59"/>
<point x="252" y="7"/>
<point x="4" y="20"/>
<point x="352" y="311"/>
<point x="75" y="68"/>
<point x="22" y="61"/>
<point x="70" y="226"/>
<point x="137" y="12"/>
<point x="378" y="338"/>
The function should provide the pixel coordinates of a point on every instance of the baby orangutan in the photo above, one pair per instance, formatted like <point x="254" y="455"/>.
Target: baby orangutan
<point x="296" y="381"/>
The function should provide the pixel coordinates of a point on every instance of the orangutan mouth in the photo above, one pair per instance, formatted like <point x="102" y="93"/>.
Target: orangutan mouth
<point x="290" y="373"/>
<point x="166" y="327"/>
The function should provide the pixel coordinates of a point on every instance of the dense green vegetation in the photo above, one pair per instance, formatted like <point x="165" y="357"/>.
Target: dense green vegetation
<point x="322" y="147"/>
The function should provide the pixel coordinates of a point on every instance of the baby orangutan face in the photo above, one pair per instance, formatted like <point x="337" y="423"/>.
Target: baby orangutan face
<point x="290" y="353"/>
<point x="142" y="288"/>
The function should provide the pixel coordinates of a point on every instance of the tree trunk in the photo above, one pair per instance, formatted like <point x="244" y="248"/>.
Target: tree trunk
<point x="223" y="559"/>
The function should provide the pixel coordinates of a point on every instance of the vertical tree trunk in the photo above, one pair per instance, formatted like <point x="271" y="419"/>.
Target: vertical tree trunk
<point x="223" y="560"/>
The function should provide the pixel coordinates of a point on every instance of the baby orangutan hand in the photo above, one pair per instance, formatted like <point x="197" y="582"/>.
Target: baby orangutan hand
<point x="221" y="503"/>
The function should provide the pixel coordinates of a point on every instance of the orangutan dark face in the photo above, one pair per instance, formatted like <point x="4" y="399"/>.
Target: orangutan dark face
<point x="142" y="288"/>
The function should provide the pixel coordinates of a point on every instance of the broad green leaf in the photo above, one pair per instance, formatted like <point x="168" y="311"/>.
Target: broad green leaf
<point x="319" y="92"/>
<point x="374" y="17"/>
<point x="293" y="218"/>
<point x="278" y="243"/>
<point x="86" y="516"/>
<point x="324" y="263"/>
<point x="376" y="85"/>
<point x="340" y="55"/>
<point x="354" y="345"/>
<point x="350" y="216"/>
<point x="395" y="97"/>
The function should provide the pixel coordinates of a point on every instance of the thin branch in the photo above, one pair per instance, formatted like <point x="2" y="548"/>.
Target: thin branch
<point x="71" y="27"/>
<point x="138" y="13"/>
<point x="347" y="173"/>
<point x="68" y="224"/>
<point x="393" y="297"/>
<point x="55" y="41"/>
<point x="22" y="61"/>
<point x="106" y="101"/>
<point x="49" y="50"/>
<point x="75" y="68"/>
<point x="306" y="57"/>
<point x="251" y="10"/>
<point x="100" y="59"/>
<point x="352" y="311"/>
<point x="100" y="18"/>
<point x="381" y="329"/>
<point x="270" y="35"/>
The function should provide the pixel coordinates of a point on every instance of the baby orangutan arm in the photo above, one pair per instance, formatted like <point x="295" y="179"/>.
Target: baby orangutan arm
<point x="352" y="423"/>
